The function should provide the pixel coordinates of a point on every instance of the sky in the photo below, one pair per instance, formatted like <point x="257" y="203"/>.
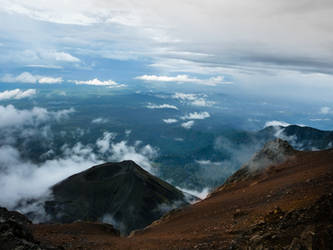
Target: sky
<point x="274" y="48"/>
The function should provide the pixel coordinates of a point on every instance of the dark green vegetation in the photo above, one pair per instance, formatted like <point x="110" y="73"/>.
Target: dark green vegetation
<point x="122" y="194"/>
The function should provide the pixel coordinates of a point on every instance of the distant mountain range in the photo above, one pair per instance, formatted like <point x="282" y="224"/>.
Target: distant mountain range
<point x="301" y="138"/>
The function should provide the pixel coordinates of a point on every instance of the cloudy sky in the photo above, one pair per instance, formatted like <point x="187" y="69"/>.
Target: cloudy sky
<point x="271" y="47"/>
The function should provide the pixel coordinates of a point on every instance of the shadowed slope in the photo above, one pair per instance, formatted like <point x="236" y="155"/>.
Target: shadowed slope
<point x="122" y="194"/>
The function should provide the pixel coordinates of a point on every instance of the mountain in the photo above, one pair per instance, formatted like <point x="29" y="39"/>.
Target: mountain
<point x="122" y="194"/>
<point x="273" y="153"/>
<point x="300" y="137"/>
<point x="286" y="204"/>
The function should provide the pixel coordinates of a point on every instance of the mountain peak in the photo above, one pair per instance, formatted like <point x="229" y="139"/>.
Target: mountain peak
<point x="120" y="193"/>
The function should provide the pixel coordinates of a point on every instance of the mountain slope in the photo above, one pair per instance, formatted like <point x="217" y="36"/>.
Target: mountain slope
<point x="273" y="153"/>
<point x="122" y="194"/>
<point x="271" y="209"/>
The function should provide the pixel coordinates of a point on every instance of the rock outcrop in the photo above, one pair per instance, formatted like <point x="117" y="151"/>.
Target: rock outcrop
<point x="15" y="232"/>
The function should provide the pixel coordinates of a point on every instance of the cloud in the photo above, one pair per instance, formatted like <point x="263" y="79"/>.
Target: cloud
<point x="121" y="151"/>
<point x="27" y="77"/>
<point x="96" y="82"/>
<point x="162" y="106"/>
<point x="104" y="143"/>
<point x="196" y="116"/>
<point x="21" y="179"/>
<point x="12" y="117"/>
<point x="213" y="81"/>
<point x="60" y="56"/>
<point x="276" y="124"/>
<point x="200" y="194"/>
<point x="198" y="100"/>
<point x="49" y="80"/>
<point x="170" y="121"/>
<point x="142" y="29"/>
<point x="187" y="125"/>
<point x="17" y="94"/>
<point x="100" y="120"/>
<point x="326" y="110"/>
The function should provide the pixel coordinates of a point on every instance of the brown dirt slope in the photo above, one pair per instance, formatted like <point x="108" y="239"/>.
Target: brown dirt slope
<point x="287" y="206"/>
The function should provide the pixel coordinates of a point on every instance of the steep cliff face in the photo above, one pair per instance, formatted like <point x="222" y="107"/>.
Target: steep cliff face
<point x="122" y="194"/>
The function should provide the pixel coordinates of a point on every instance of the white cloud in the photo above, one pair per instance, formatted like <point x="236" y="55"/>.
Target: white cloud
<point x="60" y="56"/>
<point x="198" y="100"/>
<point x="23" y="179"/>
<point x="97" y="82"/>
<point x="276" y="124"/>
<point x="17" y="94"/>
<point x="195" y="34"/>
<point x="121" y="151"/>
<point x="104" y="143"/>
<point x="170" y="121"/>
<point x="187" y="125"/>
<point x="27" y="77"/>
<point x="200" y="194"/>
<point x="196" y="116"/>
<point x="213" y="81"/>
<point x="326" y="110"/>
<point x="100" y="120"/>
<point x="12" y="117"/>
<point x="162" y="106"/>
<point x="185" y="97"/>
<point x="61" y="114"/>
<point x="49" y="80"/>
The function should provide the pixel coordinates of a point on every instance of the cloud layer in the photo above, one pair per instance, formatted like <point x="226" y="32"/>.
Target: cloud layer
<point x="96" y="82"/>
<point x="213" y="81"/>
<point x="17" y="94"/>
<point x="162" y="106"/>
<point x="27" y="77"/>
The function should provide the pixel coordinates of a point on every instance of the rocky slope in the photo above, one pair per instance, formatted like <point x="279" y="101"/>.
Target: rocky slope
<point x="286" y="205"/>
<point x="122" y="194"/>
<point x="15" y="232"/>
<point x="273" y="153"/>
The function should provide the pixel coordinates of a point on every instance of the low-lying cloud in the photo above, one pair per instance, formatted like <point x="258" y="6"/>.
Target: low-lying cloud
<point x="17" y="94"/>
<point x="212" y="81"/>
<point x="325" y="110"/>
<point x="170" y="121"/>
<point x="100" y="120"/>
<point x="198" y="100"/>
<point x="22" y="179"/>
<point x="97" y="82"/>
<point x="27" y="77"/>
<point x="12" y="117"/>
<point x="276" y="124"/>
<point x="162" y="106"/>
<point x="187" y="125"/>
<point x="196" y="116"/>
